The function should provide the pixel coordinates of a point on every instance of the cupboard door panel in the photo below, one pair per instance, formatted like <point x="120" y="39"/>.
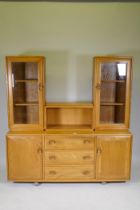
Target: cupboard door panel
<point x="113" y="158"/>
<point x="24" y="157"/>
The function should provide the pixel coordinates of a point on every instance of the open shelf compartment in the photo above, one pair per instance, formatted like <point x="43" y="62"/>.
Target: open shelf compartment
<point x="69" y="116"/>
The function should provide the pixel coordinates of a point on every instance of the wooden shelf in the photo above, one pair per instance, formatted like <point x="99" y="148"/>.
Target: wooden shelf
<point x="112" y="104"/>
<point x="67" y="127"/>
<point x="69" y="105"/>
<point x="27" y="104"/>
<point x="26" y="80"/>
<point x="113" y="81"/>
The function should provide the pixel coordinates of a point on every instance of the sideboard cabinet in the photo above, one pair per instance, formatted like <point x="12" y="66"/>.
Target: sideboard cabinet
<point x="69" y="142"/>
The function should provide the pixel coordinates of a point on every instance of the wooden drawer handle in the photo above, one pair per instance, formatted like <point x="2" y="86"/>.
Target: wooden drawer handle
<point x="52" y="172"/>
<point x="86" y="157"/>
<point x="52" y="142"/>
<point x="52" y="157"/>
<point x="86" y="172"/>
<point x="86" y="141"/>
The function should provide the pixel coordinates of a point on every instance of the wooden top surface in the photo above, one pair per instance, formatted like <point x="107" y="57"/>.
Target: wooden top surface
<point x="69" y="105"/>
<point x="74" y="132"/>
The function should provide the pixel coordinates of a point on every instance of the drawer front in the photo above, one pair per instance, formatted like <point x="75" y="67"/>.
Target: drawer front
<point x="69" y="157"/>
<point x="69" y="142"/>
<point x="72" y="173"/>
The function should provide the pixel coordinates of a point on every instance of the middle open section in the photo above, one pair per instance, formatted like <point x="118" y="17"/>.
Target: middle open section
<point x="69" y="116"/>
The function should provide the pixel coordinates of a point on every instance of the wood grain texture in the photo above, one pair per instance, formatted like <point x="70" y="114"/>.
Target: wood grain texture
<point x="114" y="92"/>
<point x="113" y="157"/>
<point x="69" y="157"/>
<point x="79" y="173"/>
<point x="68" y="142"/>
<point x="25" y="68"/>
<point x="55" y="142"/>
<point x="24" y="155"/>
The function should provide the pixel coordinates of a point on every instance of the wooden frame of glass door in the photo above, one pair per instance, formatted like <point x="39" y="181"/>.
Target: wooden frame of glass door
<point x="97" y="92"/>
<point x="39" y="60"/>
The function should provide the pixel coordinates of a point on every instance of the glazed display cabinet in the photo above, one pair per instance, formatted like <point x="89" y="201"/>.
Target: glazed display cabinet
<point x="25" y="76"/>
<point x="69" y="142"/>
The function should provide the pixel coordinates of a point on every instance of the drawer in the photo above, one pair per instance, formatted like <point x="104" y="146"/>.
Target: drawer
<point x="69" y="157"/>
<point x="69" y="142"/>
<point x="71" y="173"/>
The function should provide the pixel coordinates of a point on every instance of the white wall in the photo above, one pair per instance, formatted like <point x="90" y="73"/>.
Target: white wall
<point x="69" y="35"/>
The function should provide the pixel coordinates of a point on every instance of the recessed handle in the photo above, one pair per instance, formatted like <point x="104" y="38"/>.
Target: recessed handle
<point x="99" y="151"/>
<point x="86" y="157"/>
<point x="52" y="172"/>
<point x="98" y="86"/>
<point x="40" y="86"/>
<point x="86" y="172"/>
<point x="52" y="142"/>
<point x="39" y="150"/>
<point x="86" y="141"/>
<point x="52" y="157"/>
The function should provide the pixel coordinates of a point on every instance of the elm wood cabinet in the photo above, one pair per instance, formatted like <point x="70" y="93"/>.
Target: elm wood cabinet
<point x="113" y="157"/>
<point x="25" y="80"/>
<point x="112" y="90"/>
<point x="24" y="157"/>
<point x="69" y="142"/>
<point x="68" y="157"/>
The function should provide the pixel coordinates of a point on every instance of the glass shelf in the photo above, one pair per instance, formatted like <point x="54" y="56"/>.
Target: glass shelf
<point x="113" y="81"/>
<point x="26" y="80"/>
<point x="27" y="104"/>
<point x="112" y="104"/>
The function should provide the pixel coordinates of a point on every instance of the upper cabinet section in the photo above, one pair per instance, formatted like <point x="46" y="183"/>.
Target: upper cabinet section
<point x="25" y="77"/>
<point x="112" y="91"/>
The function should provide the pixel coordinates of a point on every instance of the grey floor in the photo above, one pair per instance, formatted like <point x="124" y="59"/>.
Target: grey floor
<point x="97" y="196"/>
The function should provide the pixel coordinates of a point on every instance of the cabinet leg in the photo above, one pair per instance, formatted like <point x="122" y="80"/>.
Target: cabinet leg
<point x="36" y="184"/>
<point x="103" y="183"/>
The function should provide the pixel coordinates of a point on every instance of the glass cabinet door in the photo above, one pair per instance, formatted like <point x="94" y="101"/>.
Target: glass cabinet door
<point x="26" y="87"/>
<point x="112" y="91"/>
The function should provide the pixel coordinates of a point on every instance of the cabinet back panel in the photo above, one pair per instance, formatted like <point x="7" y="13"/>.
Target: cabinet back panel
<point x="69" y="116"/>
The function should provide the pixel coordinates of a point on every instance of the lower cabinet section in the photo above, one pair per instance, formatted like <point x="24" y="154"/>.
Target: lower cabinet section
<point x="68" y="158"/>
<point x="113" y="158"/>
<point x="24" y="157"/>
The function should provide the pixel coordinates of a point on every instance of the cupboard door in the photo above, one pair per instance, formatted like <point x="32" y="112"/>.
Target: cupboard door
<point x="113" y="158"/>
<point x="24" y="154"/>
<point x="112" y="92"/>
<point x="26" y="92"/>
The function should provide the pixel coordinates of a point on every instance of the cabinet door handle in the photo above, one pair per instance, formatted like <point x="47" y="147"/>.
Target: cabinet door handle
<point x="98" y="86"/>
<point x="52" y="157"/>
<point x="87" y="141"/>
<point x="52" y="142"/>
<point x="99" y="151"/>
<point x="52" y="172"/>
<point x="40" y="86"/>
<point x="86" y="172"/>
<point x="86" y="157"/>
